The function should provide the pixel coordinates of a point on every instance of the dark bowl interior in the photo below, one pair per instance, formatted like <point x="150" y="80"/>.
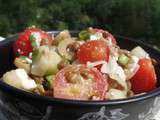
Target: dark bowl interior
<point x="41" y="103"/>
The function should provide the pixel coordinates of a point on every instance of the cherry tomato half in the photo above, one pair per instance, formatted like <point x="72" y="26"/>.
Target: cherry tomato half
<point x="79" y="83"/>
<point x="145" y="79"/>
<point x="93" y="51"/>
<point x="27" y="41"/>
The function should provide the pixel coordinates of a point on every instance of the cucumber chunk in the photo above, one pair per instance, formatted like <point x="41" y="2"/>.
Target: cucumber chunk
<point x="45" y="62"/>
<point x="19" y="79"/>
<point x="84" y="35"/>
<point x="62" y="48"/>
<point x="123" y="60"/>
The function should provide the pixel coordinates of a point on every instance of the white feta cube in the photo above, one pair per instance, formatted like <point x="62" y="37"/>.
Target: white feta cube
<point x="19" y="79"/>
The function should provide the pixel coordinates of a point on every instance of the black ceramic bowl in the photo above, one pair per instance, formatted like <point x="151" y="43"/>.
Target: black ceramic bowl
<point x="21" y="105"/>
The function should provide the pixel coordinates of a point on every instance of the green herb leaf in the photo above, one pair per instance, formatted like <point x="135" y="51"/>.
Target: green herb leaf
<point x="23" y="57"/>
<point x="50" y="79"/>
<point x="33" y="41"/>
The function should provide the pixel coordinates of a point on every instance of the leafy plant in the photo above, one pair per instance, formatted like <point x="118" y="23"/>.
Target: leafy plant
<point x="132" y="18"/>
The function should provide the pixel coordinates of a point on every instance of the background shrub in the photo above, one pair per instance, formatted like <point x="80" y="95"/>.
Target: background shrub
<point x="133" y="18"/>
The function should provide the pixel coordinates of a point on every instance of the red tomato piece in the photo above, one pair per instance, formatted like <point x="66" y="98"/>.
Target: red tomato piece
<point x="145" y="79"/>
<point x="23" y="45"/>
<point x="72" y="82"/>
<point x="93" y="51"/>
<point x="46" y="38"/>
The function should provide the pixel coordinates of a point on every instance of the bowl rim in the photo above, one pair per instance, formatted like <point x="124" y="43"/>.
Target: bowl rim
<point x="8" y="88"/>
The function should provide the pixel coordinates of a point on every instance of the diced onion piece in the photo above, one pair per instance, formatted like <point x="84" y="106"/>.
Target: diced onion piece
<point x="62" y="48"/>
<point x="116" y="94"/>
<point x="20" y="63"/>
<point x="96" y="36"/>
<point x="109" y="41"/>
<point x="113" y="69"/>
<point x="139" y="52"/>
<point x="19" y="79"/>
<point x="132" y="67"/>
<point x="132" y="72"/>
<point x="93" y="64"/>
<point x="61" y="36"/>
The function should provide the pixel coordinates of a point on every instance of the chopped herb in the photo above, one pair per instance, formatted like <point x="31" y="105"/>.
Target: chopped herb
<point x="33" y="41"/>
<point x="50" y="77"/>
<point x="96" y="36"/>
<point x="49" y="81"/>
<point x="17" y="53"/>
<point x="23" y="57"/>
<point x="32" y="38"/>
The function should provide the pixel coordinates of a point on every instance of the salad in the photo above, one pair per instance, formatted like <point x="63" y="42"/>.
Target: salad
<point x="90" y="66"/>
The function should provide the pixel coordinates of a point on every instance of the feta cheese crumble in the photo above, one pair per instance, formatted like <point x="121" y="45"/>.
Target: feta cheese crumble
<point x="139" y="52"/>
<point x="96" y="36"/>
<point x="19" y="79"/>
<point x="116" y="94"/>
<point x="113" y="69"/>
<point x="132" y="67"/>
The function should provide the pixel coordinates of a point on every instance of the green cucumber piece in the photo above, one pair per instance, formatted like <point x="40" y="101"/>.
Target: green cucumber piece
<point x="62" y="48"/>
<point x="36" y="55"/>
<point x="46" y="63"/>
<point x="123" y="59"/>
<point x="50" y="80"/>
<point x="84" y="35"/>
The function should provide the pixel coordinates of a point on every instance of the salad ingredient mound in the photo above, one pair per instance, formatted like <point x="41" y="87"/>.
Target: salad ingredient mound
<point x="90" y="66"/>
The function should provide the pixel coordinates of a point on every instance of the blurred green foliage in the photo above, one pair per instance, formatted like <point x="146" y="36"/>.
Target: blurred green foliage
<point x="132" y="18"/>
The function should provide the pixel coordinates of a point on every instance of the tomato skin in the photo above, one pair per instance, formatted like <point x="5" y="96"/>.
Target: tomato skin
<point x="93" y="51"/>
<point x="46" y="38"/>
<point x="145" y="79"/>
<point x="106" y="35"/>
<point x="22" y="46"/>
<point x="99" y="86"/>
